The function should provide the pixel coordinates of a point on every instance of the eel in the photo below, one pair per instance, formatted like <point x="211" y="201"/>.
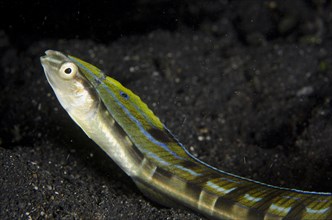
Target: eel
<point x="120" y="123"/>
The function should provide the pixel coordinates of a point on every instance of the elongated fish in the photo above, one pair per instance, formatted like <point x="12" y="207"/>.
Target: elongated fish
<point x="129" y="132"/>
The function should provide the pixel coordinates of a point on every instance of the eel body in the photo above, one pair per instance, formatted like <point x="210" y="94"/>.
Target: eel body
<point x="129" y="132"/>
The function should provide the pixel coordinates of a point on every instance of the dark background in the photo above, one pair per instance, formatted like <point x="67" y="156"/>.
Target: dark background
<point x="246" y="85"/>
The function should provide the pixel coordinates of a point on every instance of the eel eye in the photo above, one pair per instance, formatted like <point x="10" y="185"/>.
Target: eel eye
<point x="68" y="70"/>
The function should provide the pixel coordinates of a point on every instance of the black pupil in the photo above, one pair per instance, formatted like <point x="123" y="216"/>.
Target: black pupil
<point x="68" y="70"/>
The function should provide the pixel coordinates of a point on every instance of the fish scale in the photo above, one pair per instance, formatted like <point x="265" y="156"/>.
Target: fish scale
<point x="129" y="132"/>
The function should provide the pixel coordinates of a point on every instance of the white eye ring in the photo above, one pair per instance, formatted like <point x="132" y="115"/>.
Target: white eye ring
<point x="68" y="70"/>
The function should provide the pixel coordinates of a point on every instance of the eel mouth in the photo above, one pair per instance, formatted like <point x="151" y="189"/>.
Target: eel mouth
<point x="51" y="62"/>
<point x="53" y="59"/>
